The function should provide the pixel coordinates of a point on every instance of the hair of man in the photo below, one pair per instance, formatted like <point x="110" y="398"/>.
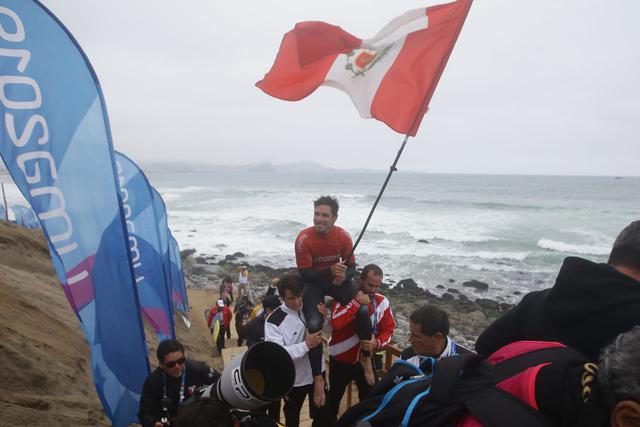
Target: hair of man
<point x="432" y="319"/>
<point x="204" y="412"/>
<point x="377" y="271"/>
<point x="619" y="370"/>
<point x="166" y="347"/>
<point x="626" y="248"/>
<point x="271" y="302"/>
<point x="292" y="283"/>
<point x="330" y="201"/>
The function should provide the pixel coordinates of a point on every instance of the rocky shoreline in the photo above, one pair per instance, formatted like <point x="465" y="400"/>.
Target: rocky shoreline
<point x="469" y="312"/>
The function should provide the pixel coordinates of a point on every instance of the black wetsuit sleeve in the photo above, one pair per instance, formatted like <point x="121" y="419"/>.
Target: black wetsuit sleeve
<point x="150" y="410"/>
<point x="255" y="332"/>
<point x="506" y="329"/>
<point x="311" y="275"/>
<point x="351" y="271"/>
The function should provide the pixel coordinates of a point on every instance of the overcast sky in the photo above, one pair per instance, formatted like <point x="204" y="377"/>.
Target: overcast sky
<point x="533" y="87"/>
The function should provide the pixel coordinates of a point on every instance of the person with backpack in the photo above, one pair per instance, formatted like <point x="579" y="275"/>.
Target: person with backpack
<point x="429" y="336"/>
<point x="589" y="305"/>
<point x="526" y="383"/>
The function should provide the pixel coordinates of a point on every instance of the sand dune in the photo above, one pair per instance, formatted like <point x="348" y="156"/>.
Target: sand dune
<point x="44" y="355"/>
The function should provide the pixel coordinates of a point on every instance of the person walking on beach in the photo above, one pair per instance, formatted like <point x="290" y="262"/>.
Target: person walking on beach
<point x="226" y="290"/>
<point x="321" y="257"/>
<point x="243" y="283"/>
<point x="223" y="314"/>
<point x="242" y="312"/>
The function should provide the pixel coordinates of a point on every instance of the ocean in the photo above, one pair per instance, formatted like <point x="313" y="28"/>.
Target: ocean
<point x="511" y="232"/>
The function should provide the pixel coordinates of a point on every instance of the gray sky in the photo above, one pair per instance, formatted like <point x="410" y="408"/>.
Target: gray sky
<point x="534" y="87"/>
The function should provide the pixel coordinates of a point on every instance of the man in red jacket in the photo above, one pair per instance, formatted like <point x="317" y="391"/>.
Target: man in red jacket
<point x="359" y="328"/>
<point x="223" y="313"/>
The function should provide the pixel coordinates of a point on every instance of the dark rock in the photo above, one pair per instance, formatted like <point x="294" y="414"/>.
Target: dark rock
<point x="476" y="284"/>
<point x="221" y="245"/>
<point x="423" y="241"/>
<point x="488" y="303"/>
<point x="410" y="287"/>
<point x="193" y="231"/>
<point x="506" y="307"/>
<point x="239" y="255"/>
<point x="186" y="253"/>
<point x="517" y="293"/>
<point x="447" y="297"/>
<point x="230" y="258"/>
<point x="452" y="281"/>
<point x="453" y="291"/>
<point x="201" y="260"/>
<point x="463" y="297"/>
<point x="440" y="287"/>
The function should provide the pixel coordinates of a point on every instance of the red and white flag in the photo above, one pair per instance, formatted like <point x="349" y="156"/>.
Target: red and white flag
<point x="390" y="77"/>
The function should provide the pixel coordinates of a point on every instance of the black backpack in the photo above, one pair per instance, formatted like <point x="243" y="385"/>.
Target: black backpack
<point x="442" y="392"/>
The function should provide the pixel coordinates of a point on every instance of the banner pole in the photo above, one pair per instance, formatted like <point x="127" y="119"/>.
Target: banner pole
<point x="6" y="208"/>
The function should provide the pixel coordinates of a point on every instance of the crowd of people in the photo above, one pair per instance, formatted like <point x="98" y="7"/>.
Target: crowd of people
<point x="570" y="353"/>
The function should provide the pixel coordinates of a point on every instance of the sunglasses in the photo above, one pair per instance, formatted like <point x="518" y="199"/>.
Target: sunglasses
<point x="173" y="363"/>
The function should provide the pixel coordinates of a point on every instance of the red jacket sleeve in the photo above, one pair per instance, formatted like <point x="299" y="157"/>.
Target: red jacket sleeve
<point x="226" y="316"/>
<point x="303" y="256"/>
<point x="342" y="315"/>
<point x="212" y="312"/>
<point x="386" y="325"/>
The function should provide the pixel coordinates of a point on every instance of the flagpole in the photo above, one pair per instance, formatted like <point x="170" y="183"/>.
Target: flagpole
<point x="6" y="208"/>
<point x="423" y="106"/>
<point x="392" y="169"/>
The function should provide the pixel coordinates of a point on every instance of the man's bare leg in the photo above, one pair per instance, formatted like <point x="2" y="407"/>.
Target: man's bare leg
<point x="319" y="396"/>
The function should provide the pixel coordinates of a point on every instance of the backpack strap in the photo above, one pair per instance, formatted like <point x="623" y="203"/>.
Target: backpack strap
<point x="447" y="372"/>
<point x="510" y="367"/>
<point x="495" y="407"/>
<point x="390" y="394"/>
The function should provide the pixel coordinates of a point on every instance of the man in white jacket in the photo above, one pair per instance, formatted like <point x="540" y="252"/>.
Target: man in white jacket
<point x="286" y="326"/>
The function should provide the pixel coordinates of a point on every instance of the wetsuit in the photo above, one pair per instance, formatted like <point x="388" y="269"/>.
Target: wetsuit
<point x="315" y="254"/>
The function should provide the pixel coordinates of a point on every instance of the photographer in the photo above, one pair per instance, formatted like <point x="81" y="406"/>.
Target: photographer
<point x="169" y="385"/>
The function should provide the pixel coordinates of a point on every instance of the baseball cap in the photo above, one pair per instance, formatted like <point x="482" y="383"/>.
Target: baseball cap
<point x="220" y="303"/>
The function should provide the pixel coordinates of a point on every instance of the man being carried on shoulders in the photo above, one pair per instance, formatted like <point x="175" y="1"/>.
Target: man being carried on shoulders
<point x="361" y="327"/>
<point x="429" y="336"/>
<point x="321" y="253"/>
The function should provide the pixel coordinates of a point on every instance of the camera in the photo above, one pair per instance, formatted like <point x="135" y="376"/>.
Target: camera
<point x="261" y="375"/>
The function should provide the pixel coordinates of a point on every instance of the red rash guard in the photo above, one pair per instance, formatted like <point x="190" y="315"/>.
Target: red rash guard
<point x="319" y="251"/>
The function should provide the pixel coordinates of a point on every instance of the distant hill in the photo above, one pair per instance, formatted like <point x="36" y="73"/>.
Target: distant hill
<point x="262" y="167"/>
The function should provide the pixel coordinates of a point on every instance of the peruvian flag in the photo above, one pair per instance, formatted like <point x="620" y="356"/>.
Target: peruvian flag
<point x="390" y="77"/>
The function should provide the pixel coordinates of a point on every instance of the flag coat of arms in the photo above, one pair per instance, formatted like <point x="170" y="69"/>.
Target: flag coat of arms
<point x="390" y="77"/>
